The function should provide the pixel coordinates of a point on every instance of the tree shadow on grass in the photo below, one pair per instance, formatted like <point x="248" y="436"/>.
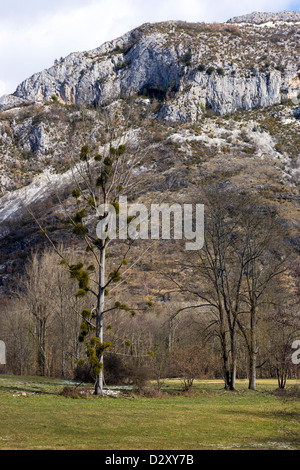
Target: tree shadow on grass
<point x="26" y="389"/>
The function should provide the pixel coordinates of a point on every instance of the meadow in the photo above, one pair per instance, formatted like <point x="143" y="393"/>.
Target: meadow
<point x="35" y="415"/>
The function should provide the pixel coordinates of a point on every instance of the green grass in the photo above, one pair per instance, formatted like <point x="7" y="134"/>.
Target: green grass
<point x="207" y="418"/>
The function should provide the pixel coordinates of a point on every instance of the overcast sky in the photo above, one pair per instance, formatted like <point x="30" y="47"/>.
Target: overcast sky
<point x="33" y="33"/>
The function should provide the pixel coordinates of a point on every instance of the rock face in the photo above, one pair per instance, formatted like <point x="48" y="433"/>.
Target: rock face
<point x="225" y="95"/>
<point x="187" y="68"/>
<point x="10" y="101"/>
<point x="174" y="87"/>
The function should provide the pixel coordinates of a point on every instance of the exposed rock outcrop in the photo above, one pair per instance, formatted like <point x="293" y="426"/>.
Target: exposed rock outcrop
<point x="187" y="68"/>
<point x="11" y="101"/>
<point x="227" y="99"/>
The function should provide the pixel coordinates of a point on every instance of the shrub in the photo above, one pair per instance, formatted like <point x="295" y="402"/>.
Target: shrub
<point x="139" y="376"/>
<point x="122" y="65"/>
<point x="210" y="70"/>
<point x="279" y="148"/>
<point x="151" y="393"/>
<point x="115" y="371"/>
<point x="75" y="393"/>
<point x="83" y="373"/>
<point x="191" y="362"/>
<point x="69" y="392"/>
<point x="186" y="59"/>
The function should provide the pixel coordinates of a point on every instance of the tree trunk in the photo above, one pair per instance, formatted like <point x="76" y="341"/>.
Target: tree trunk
<point x="252" y="352"/>
<point x="63" y="362"/>
<point x="225" y="364"/>
<point x="233" y="360"/>
<point x="42" y="347"/>
<point x="252" y="372"/>
<point x="282" y="374"/>
<point x="99" y="322"/>
<point x="233" y="375"/>
<point x="223" y="340"/>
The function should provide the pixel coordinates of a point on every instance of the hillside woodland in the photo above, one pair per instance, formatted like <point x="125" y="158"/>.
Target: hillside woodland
<point x="174" y="112"/>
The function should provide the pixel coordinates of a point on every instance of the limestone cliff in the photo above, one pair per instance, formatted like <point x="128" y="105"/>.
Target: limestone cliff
<point x="209" y="102"/>
<point x="188" y="68"/>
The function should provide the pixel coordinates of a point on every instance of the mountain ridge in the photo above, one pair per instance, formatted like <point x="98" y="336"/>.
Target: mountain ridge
<point x="223" y="101"/>
<point x="197" y="66"/>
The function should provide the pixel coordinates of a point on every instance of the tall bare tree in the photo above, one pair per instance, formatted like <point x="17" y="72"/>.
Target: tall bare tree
<point x="101" y="177"/>
<point x="229" y="276"/>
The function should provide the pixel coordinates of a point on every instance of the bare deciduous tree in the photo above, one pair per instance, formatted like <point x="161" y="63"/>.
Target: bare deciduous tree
<point x="229" y="276"/>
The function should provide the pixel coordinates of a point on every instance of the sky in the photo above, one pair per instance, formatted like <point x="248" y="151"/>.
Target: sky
<point x="33" y="33"/>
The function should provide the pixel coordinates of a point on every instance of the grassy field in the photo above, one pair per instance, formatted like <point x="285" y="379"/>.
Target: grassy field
<point x="33" y="415"/>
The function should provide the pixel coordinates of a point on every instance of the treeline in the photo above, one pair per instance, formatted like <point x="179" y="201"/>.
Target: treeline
<point x="41" y="324"/>
<point x="230" y="310"/>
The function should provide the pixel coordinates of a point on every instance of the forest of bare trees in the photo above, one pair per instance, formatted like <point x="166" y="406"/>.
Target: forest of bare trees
<point x="230" y="310"/>
<point x="126" y="311"/>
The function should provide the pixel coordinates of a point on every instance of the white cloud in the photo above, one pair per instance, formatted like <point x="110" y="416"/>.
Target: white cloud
<point x="31" y="45"/>
<point x="3" y="88"/>
<point x="34" y="46"/>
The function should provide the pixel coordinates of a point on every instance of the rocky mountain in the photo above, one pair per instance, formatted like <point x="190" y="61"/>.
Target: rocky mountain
<point x="224" y="101"/>
<point x="222" y="67"/>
